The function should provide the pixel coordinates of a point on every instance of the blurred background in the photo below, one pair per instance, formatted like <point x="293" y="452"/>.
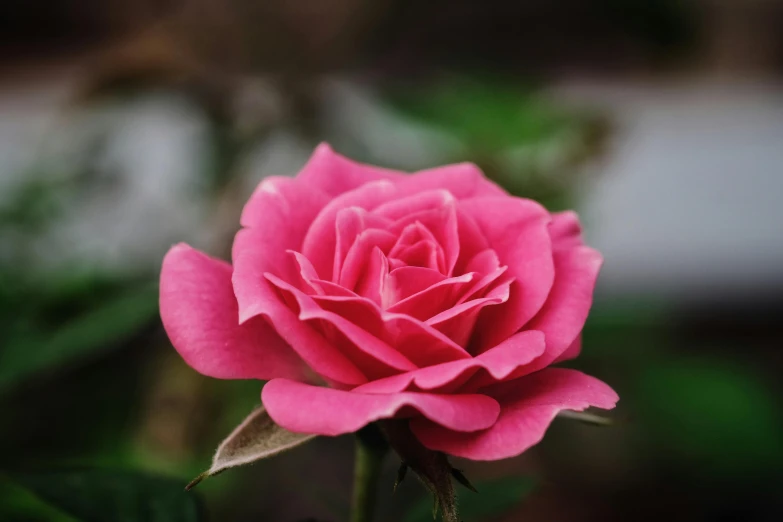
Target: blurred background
<point x="127" y="126"/>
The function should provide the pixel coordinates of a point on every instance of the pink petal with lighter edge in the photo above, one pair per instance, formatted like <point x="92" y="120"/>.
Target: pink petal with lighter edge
<point x="310" y="283"/>
<point x="378" y="351"/>
<point x="372" y="283"/>
<point x="303" y="408"/>
<point x="572" y="352"/>
<point x="517" y="229"/>
<point x="256" y="296"/>
<point x="408" y="205"/>
<point x="527" y="410"/>
<point x="284" y="205"/>
<point x="566" y="231"/>
<point x="199" y="313"/>
<point x="442" y="224"/>
<point x="498" y="363"/>
<point x="350" y="222"/>
<point x="459" y="321"/>
<point x="406" y="281"/>
<point x="425" y="253"/>
<point x="431" y="301"/>
<point x="471" y="241"/>
<point x="463" y="180"/>
<point x="355" y="262"/>
<point x="565" y="312"/>
<point x="321" y="238"/>
<point x="335" y="174"/>
<point x="420" y="343"/>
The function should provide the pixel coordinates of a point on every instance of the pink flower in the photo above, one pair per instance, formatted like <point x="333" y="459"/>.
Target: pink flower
<point x="364" y="294"/>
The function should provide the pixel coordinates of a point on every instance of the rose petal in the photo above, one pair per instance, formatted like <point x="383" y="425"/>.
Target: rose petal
<point x="359" y="253"/>
<point x="442" y="225"/>
<point x="417" y="246"/>
<point x="199" y="313"/>
<point x="419" y="342"/>
<point x="405" y="281"/>
<point x="471" y="241"/>
<point x="350" y="222"/>
<point x="517" y="229"/>
<point x="496" y="363"/>
<point x="372" y="283"/>
<point x="311" y="284"/>
<point x="408" y="205"/>
<point x="321" y="238"/>
<point x="432" y="300"/>
<point x="527" y="410"/>
<point x="284" y="206"/>
<point x="572" y="352"/>
<point x="302" y="408"/>
<point x="566" y="231"/>
<point x="565" y="312"/>
<point x="458" y="322"/>
<point x="410" y="234"/>
<point x="371" y="354"/>
<point x="255" y="252"/>
<point x="335" y="174"/>
<point x="485" y="263"/>
<point x="463" y="180"/>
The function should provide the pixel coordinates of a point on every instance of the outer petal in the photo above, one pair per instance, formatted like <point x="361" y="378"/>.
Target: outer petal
<point x="199" y="313"/>
<point x="572" y="352"/>
<point x="517" y="229"/>
<point x="413" y="204"/>
<point x="527" y="410"/>
<point x="566" y="231"/>
<point x="335" y="174"/>
<point x="284" y="205"/>
<point x="497" y="364"/>
<point x="257" y="251"/>
<point x="303" y="408"/>
<point x="463" y="180"/>
<point x="565" y="312"/>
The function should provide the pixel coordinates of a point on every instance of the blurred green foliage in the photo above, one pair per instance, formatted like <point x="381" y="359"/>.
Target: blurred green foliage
<point x="530" y="146"/>
<point x="68" y="319"/>
<point x="720" y="415"/>
<point x="94" y="495"/>
<point x="493" y="499"/>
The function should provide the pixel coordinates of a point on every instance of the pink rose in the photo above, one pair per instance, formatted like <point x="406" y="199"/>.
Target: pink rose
<point x="364" y="294"/>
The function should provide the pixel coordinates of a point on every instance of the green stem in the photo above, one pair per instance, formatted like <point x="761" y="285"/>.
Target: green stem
<point x="371" y="447"/>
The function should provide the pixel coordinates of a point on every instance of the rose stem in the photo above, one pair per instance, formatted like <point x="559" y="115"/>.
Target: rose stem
<point x="371" y="447"/>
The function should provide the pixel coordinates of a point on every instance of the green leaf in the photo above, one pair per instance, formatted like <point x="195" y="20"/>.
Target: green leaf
<point x="98" y="329"/>
<point x="92" y="495"/>
<point x="256" y="438"/>
<point x="19" y="504"/>
<point x="494" y="499"/>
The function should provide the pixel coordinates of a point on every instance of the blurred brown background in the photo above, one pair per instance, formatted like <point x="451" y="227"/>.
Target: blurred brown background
<point x="128" y="126"/>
